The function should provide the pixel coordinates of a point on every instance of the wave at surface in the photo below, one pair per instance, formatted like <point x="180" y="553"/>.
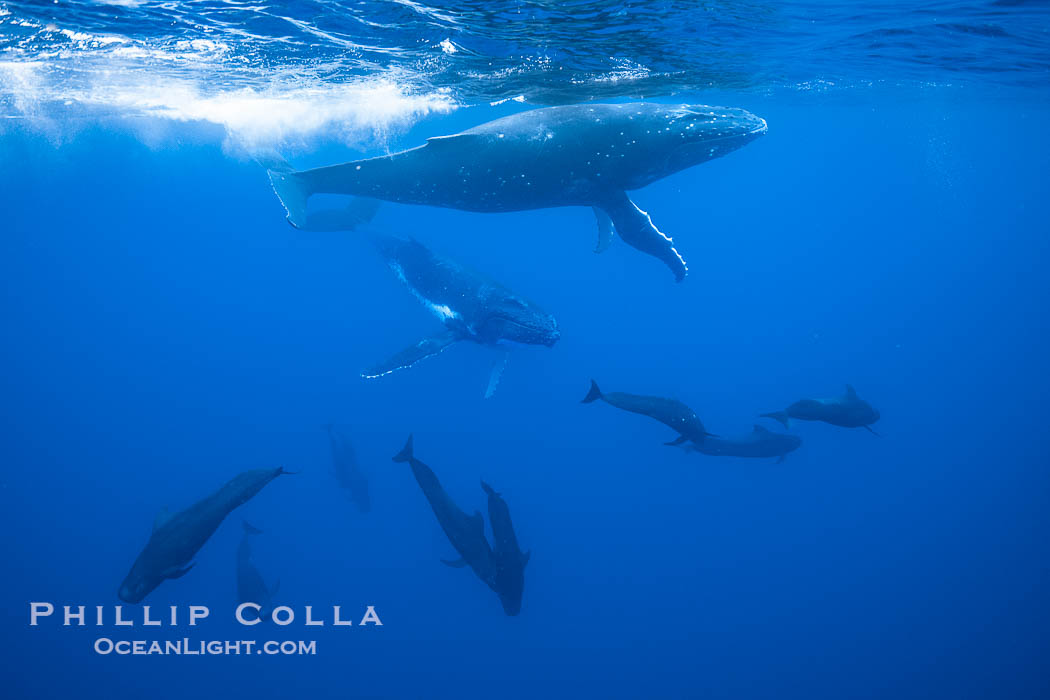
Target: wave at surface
<point x="275" y="72"/>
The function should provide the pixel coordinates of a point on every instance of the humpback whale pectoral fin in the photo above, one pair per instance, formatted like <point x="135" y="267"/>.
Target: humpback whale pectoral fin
<point x="457" y="564"/>
<point x="606" y="232"/>
<point x="496" y="373"/>
<point x="359" y="211"/>
<point x="412" y="354"/>
<point x="637" y="230"/>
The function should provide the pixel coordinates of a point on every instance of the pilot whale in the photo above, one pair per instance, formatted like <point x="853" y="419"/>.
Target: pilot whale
<point x="509" y="577"/>
<point x="587" y="155"/>
<point x="846" y="411"/>
<point x="470" y="306"/>
<point x="251" y="587"/>
<point x="465" y="532"/>
<point x="177" y="538"/>
<point x="759" y="443"/>
<point x="346" y="469"/>
<point x="671" y="412"/>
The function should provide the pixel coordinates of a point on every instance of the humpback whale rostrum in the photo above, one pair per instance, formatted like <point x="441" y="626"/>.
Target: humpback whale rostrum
<point x="846" y="411"/>
<point x="470" y="306"/>
<point x="758" y="443"/>
<point x="573" y="155"/>
<point x="671" y="412"/>
<point x="177" y="538"/>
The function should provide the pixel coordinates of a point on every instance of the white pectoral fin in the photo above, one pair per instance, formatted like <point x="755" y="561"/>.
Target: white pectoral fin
<point x="411" y="355"/>
<point x="606" y="230"/>
<point x="497" y="371"/>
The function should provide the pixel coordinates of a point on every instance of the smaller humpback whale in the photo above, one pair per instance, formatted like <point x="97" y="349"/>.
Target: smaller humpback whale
<point x="347" y="470"/>
<point x="251" y="588"/>
<point x="671" y="412"/>
<point x="587" y="155"/>
<point x="470" y="306"/>
<point x="758" y="443"/>
<point x="465" y="532"/>
<point x="846" y="411"/>
<point x="177" y="538"/>
<point x="509" y="578"/>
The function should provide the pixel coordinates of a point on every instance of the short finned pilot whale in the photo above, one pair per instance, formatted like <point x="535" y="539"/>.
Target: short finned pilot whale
<point x="756" y="444"/>
<point x="251" y="586"/>
<point x="177" y="538"/>
<point x="470" y="306"/>
<point x="587" y="155"/>
<point x="846" y="411"/>
<point x="671" y="412"/>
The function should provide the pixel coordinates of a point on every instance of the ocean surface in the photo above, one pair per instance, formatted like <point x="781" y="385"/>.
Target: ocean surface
<point x="165" y="329"/>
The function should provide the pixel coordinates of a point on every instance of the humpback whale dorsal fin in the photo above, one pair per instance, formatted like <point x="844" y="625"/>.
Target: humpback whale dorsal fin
<point x="606" y="231"/>
<point x="496" y="373"/>
<point x="162" y="517"/>
<point x="455" y="563"/>
<point x="851" y="393"/>
<point x="412" y="354"/>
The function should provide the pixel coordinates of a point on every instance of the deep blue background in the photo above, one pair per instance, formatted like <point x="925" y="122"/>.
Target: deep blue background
<point x="164" y="329"/>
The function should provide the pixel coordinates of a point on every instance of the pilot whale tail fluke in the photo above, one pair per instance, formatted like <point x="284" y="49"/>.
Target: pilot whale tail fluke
<point x="781" y="416"/>
<point x="405" y="454"/>
<point x="250" y="529"/>
<point x="594" y="394"/>
<point x="292" y="193"/>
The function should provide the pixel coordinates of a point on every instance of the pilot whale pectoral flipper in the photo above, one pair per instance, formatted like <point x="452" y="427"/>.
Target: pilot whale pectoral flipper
<point x="637" y="230"/>
<point x="413" y="354"/>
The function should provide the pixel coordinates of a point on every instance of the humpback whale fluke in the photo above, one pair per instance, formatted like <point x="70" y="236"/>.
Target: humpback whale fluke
<point x="594" y="394"/>
<point x="405" y="455"/>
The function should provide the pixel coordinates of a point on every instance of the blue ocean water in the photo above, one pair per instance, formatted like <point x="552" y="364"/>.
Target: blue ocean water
<point x="166" y="329"/>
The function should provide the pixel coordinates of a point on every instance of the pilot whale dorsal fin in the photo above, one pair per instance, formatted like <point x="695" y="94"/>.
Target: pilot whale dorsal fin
<point x="455" y="564"/>
<point x="412" y="354"/>
<point x="851" y="393"/>
<point x="606" y="230"/>
<point x="163" y="516"/>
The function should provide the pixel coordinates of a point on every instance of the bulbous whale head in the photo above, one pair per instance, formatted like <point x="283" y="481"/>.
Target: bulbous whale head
<point x="518" y="320"/>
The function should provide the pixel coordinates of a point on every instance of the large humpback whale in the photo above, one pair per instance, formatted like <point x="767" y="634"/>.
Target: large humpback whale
<point x="846" y="411"/>
<point x="470" y="306"/>
<point x="671" y="412"/>
<point x="758" y="443"/>
<point x="177" y="538"/>
<point x="575" y="155"/>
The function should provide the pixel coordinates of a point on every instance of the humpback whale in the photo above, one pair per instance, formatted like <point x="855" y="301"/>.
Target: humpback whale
<point x="758" y="443"/>
<point x="465" y="532"/>
<point x="846" y="411"/>
<point x="671" y="412"/>
<point x="251" y="588"/>
<point x="509" y="578"/>
<point x="587" y="155"/>
<point x="177" y="538"/>
<point x="346" y="469"/>
<point x="470" y="306"/>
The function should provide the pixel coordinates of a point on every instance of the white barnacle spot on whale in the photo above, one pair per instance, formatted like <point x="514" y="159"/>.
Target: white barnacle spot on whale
<point x="442" y="310"/>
